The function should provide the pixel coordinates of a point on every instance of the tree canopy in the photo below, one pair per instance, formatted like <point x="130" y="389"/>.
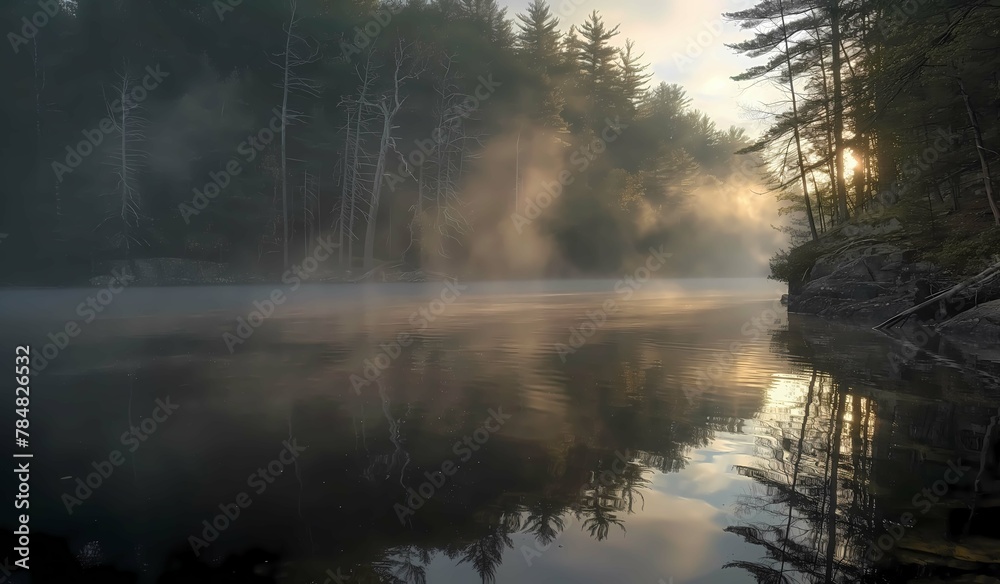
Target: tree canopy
<point x="411" y="131"/>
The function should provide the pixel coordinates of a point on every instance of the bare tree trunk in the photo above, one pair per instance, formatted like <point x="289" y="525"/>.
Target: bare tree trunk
<point x="352" y="167"/>
<point x="795" y="127"/>
<point x="416" y="219"/>
<point x="828" y="125"/>
<point x="383" y="152"/>
<point x="819" y="203"/>
<point x="284" y="137"/>
<point x="389" y="107"/>
<point x="344" y="191"/>
<point x="305" y="211"/>
<point x="291" y="83"/>
<point x="353" y="187"/>
<point x="838" y="109"/>
<point x="450" y="155"/>
<point x="517" y="172"/>
<point x="123" y="169"/>
<point x="315" y="226"/>
<point x="980" y="149"/>
<point x="127" y="158"/>
<point x="860" y="176"/>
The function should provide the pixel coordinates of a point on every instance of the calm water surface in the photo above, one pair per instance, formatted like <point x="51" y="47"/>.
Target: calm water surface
<point x="687" y="433"/>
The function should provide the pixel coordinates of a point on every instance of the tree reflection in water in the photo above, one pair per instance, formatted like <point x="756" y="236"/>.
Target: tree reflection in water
<point x="807" y="510"/>
<point x="844" y="452"/>
<point x="842" y="446"/>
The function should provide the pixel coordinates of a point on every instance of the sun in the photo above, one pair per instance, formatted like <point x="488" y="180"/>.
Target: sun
<point x="850" y="162"/>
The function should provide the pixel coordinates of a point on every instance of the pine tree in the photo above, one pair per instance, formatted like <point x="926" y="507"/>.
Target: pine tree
<point x="492" y="20"/>
<point x="601" y="75"/>
<point x="634" y="77"/>
<point x="539" y="43"/>
<point x="538" y="36"/>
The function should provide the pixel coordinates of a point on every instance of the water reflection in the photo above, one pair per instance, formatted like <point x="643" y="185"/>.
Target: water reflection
<point x="806" y="449"/>
<point x="858" y="481"/>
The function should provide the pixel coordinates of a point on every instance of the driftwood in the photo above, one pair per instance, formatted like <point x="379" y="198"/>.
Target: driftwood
<point x="983" y="276"/>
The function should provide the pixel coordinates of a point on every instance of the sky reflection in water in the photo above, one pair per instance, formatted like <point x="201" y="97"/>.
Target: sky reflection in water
<point x="710" y="463"/>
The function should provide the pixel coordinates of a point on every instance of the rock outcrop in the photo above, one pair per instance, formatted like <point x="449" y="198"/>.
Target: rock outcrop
<point x="866" y="283"/>
<point x="981" y="322"/>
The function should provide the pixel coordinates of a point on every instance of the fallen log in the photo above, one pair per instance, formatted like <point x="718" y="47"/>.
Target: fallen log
<point x="987" y="274"/>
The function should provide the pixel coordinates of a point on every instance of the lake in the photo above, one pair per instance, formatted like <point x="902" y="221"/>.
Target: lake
<point x="521" y="432"/>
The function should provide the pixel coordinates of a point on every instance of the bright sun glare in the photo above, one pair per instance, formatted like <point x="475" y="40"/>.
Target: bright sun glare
<point x="850" y="162"/>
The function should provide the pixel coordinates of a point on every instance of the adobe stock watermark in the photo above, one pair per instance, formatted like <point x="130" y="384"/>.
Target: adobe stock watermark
<point x="95" y="137"/>
<point x="366" y="34"/>
<point x="265" y="308"/>
<point x="924" y="501"/>
<point x="31" y="25"/>
<point x="464" y="449"/>
<point x="259" y="480"/>
<point x="88" y="311"/>
<point x="133" y="439"/>
<point x="420" y="320"/>
<point x="424" y="149"/>
<point x="581" y="159"/>
<point x="249" y="150"/>
<point x="626" y="287"/>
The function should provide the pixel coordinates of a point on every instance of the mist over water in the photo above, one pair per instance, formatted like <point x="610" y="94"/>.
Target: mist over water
<point x="627" y="456"/>
<point x="430" y="291"/>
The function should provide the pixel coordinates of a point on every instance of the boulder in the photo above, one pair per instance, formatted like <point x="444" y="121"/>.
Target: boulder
<point x="981" y="322"/>
<point x="868" y="312"/>
<point x="813" y="304"/>
<point x="864" y="283"/>
<point x="859" y="261"/>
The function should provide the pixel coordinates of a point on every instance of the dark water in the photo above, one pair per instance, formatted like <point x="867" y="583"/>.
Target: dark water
<point x="688" y="433"/>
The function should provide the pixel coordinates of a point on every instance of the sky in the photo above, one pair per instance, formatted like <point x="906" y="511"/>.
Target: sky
<point x="684" y="43"/>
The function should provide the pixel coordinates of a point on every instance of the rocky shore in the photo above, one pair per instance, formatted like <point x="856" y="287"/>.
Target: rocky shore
<point x="864" y="281"/>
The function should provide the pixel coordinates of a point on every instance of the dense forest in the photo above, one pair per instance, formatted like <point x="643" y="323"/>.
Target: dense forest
<point x="891" y="110"/>
<point x="442" y="135"/>
<point x="448" y="135"/>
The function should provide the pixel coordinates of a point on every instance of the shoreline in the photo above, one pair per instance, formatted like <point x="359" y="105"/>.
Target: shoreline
<point x="865" y="284"/>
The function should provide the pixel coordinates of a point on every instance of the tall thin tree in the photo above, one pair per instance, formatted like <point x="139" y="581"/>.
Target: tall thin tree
<point x="296" y="54"/>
